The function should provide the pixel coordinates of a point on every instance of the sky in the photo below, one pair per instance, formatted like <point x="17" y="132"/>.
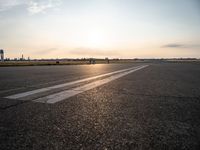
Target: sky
<point x="100" y="28"/>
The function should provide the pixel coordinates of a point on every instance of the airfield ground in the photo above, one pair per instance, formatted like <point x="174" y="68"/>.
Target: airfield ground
<point x="155" y="107"/>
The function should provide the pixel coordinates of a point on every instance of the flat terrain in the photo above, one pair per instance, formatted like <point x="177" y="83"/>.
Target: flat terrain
<point x="64" y="62"/>
<point x="155" y="107"/>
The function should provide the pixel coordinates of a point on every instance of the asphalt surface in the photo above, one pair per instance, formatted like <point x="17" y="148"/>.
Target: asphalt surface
<point x="157" y="107"/>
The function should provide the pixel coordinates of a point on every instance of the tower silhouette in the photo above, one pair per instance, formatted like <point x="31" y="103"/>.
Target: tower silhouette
<point x="1" y="55"/>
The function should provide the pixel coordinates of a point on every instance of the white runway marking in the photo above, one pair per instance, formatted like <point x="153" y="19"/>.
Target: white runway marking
<point x="56" y="97"/>
<point x="24" y="94"/>
<point x="69" y="93"/>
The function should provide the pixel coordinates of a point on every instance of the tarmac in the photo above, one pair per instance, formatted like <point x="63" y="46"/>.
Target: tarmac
<point x="103" y="106"/>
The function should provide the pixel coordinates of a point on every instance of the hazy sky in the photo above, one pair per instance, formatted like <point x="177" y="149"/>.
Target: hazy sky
<point x="100" y="28"/>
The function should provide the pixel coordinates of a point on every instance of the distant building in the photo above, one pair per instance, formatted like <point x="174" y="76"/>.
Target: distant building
<point x="1" y="55"/>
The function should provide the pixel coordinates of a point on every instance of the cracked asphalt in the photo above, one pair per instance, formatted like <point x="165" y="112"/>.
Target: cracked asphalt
<point x="155" y="108"/>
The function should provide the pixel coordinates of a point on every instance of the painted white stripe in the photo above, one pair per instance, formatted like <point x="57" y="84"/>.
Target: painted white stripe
<point x="24" y="94"/>
<point x="69" y="93"/>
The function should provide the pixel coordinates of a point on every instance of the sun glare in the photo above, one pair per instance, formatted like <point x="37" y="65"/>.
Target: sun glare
<point x="95" y="38"/>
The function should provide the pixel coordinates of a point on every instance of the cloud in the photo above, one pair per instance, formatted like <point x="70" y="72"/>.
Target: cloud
<point x="173" y="45"/>
<point x="33" y="6"/>
<point x="38" y="6"/>
<point x="176" y="45"/>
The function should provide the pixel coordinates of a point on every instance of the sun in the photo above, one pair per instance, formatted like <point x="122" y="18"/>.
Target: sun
<point x="95" y="39"/>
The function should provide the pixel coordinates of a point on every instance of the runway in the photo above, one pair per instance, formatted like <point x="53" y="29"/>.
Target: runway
<point x="108" y="106"/>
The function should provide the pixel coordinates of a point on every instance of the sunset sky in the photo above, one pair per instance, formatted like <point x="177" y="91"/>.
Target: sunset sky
<point x="100" y="28"/>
